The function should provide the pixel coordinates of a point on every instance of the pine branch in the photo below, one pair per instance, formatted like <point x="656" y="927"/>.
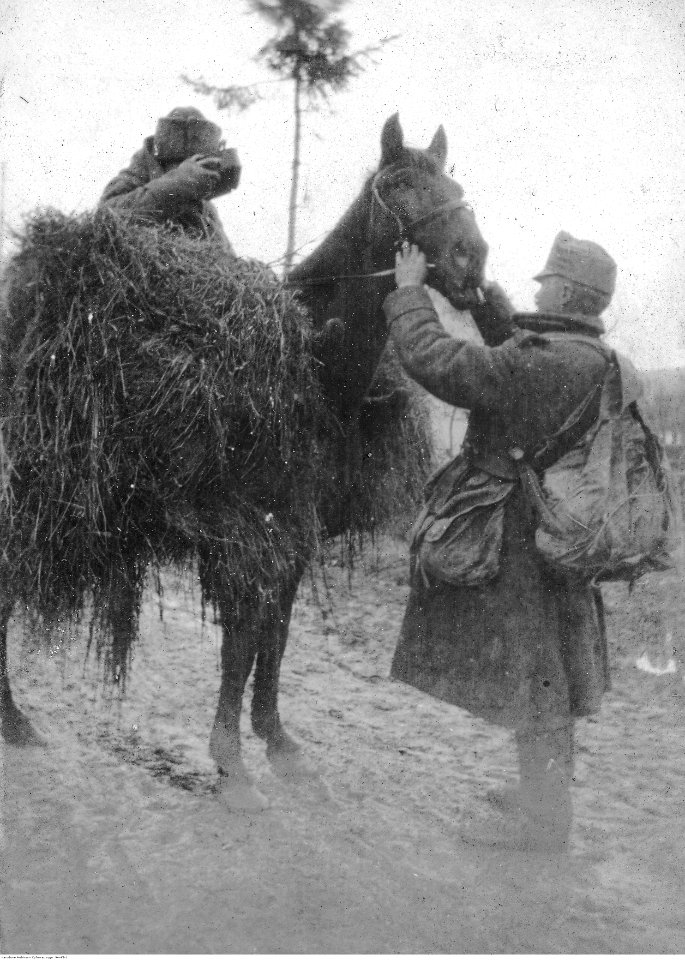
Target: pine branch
<point x="310" y="48"/>
<point x="234" y="97"/>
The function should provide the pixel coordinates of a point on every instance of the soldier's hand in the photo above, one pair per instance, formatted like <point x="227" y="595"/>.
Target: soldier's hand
<point x="496" y="297"/>
<point x="199" y="175"/>
<point x="410" y="266"/>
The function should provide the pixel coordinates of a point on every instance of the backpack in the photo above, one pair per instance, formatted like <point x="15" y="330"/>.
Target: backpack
<point x="606" y="509"/>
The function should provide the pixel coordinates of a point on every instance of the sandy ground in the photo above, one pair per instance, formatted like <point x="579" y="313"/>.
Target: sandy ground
<point x="116" y="842"/>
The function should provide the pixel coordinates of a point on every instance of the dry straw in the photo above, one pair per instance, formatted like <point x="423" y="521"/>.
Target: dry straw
<point x="160" y="403"/>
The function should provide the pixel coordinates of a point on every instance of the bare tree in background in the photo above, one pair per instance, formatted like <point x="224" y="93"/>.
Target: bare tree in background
<point x="310" y="49"/>
<point x="3" y="178"/>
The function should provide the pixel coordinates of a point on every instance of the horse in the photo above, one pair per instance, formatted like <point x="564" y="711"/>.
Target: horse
<point x="343" y="283"/>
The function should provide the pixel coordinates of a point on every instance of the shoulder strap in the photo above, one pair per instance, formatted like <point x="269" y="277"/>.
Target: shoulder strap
<point x="619" y="391"/>
<point x="549" y="451"/>
<point x="623" y="387"/>
<point x="593" y="342"/>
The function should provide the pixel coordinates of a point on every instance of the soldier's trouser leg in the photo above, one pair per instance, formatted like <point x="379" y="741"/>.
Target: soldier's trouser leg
<point x="546" y="768"/>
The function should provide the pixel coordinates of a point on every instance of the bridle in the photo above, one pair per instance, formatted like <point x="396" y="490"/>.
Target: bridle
<point x="404" y="230"/>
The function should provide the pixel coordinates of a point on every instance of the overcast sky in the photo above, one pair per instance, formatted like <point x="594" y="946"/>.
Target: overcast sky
<point x="560" y="114"/>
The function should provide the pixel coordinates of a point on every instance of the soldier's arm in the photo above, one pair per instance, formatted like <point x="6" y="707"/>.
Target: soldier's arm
<point x="126" y="191"/>
<point x="455" y="371"/>
<point x="162" y="196"/>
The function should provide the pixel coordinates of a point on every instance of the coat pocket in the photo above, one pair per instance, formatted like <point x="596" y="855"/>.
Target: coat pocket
<point x="462" y="545"/>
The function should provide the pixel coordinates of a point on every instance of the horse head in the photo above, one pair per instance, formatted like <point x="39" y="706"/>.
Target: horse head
<point x="422" y="205"/>
<point x="346" y="279"/>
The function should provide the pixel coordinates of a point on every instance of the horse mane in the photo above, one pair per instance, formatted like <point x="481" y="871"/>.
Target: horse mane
<point x="342" y="246"/>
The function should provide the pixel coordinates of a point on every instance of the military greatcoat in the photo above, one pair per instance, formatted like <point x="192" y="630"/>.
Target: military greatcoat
<point x="153" y="193"/>
<point x="526" y="649"/>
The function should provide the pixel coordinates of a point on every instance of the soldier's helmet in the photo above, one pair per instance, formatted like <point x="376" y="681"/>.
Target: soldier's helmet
<point x="580" y="261"/>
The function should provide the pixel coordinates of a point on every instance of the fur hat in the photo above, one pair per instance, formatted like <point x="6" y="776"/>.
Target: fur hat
<point x="184" y="132"/>
<point x="580" y="261"/>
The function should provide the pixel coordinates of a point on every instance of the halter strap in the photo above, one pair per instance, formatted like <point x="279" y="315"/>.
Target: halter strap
<point x="403" y="229"/>
<point x="438" y="212"/>
<point x="313" y="281"/>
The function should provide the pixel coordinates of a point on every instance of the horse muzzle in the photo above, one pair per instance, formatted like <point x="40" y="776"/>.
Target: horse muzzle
<point x="459" y="279"/>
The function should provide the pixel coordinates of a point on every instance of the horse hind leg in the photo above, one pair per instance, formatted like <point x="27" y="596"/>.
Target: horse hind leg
<point x="122" y="616"/>
<point x="16" y="727"/>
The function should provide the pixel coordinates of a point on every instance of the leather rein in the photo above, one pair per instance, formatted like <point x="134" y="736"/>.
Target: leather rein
<point x="403" y="231"/>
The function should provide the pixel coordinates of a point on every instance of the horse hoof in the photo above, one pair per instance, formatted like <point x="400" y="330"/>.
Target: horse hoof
<point x="507" y="831"/>
<point x="18" y="731"/>
<point x="241" y="795"/>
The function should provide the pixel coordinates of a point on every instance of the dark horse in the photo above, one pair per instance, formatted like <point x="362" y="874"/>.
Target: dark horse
<point x="343" y="283"/>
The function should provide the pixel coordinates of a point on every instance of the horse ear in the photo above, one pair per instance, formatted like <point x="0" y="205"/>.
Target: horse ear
<point x="392" y="141"/>
<point x="438" y="146"/>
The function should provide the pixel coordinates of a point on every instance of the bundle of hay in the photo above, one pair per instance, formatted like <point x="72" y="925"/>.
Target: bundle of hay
<point x="156" y="396"/>
<point x="160" y="403"/>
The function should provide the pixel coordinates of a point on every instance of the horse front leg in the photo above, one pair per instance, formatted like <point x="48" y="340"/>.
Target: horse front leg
<point x="283" y="752"/>
<point x="16" y="727"/>
<point x="238" y="650"/>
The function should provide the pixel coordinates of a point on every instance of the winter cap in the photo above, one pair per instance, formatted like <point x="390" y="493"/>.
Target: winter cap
<point x="184" y="132"/>
<point x="580" y="261"/>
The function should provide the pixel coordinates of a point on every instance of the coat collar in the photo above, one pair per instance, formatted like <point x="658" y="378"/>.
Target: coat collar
<point x="561" y="322"/>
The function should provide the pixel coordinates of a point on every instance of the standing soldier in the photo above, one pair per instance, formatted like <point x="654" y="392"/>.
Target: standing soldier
<point x="488" y="626"/>
<point x="173" y="178"/>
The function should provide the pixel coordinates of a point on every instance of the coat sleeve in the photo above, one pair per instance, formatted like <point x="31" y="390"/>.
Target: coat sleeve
<point x="133" y="189"/>
<point x="455" y="371"/>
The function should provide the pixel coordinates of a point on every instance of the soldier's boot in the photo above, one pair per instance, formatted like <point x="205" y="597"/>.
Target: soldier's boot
<point x="546" y="771"/>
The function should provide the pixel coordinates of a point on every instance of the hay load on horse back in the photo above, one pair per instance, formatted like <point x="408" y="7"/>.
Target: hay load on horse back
<point x="161" y="402"/>
<point x="164" y="402"/>
<point x="158" y="398"/>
